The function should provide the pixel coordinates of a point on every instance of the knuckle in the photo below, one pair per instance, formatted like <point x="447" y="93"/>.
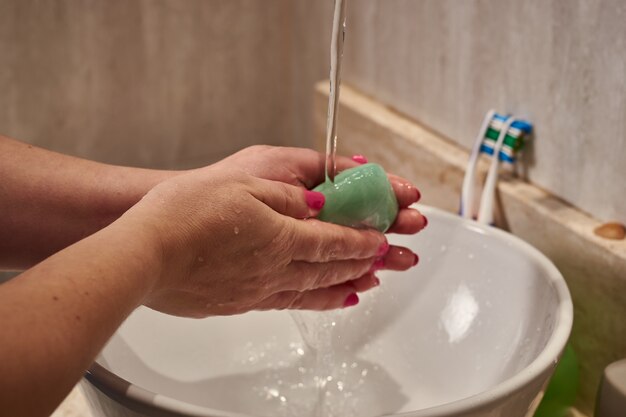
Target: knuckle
<point x="318" y="247"/>
<point x="368" y="244"/>
<point x="317" y="243"/>
<point x="285" y="197"/>
<point x="284" y="243"/>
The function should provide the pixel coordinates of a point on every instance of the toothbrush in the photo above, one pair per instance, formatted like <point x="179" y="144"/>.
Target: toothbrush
<point x="467" y="192"/>
<point x="499" y="135"/>
<point x="485" y="213"/>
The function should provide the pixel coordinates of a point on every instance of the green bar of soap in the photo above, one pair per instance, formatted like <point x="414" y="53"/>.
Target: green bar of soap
<point x="360" y="197"/>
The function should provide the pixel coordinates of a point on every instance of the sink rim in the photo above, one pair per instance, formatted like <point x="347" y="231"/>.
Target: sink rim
<point x="140" y="399"/>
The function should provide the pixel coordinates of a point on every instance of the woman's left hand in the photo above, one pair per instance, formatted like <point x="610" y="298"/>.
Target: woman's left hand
<point x="305" y="168"/>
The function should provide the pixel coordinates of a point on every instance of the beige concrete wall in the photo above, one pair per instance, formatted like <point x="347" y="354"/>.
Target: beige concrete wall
<point x="159" y="83"/>
<point x="176" y="83"/>
<point x="560" y="63"/>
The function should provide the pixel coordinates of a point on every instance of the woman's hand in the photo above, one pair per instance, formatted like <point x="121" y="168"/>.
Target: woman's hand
<point x="305" y="168"/>
<point x="231" y="243"/>
<point x="220" y="240"/>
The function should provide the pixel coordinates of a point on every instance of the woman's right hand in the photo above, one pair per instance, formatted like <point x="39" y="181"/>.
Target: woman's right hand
<point x="230" y="242"/>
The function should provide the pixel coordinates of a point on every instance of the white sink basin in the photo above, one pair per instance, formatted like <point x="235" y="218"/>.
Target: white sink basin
<point x="475" y="330"/>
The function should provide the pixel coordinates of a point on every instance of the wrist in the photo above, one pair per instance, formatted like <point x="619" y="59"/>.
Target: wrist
<point x="140" y="247"/>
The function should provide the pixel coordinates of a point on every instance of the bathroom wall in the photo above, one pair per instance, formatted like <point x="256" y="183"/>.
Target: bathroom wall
<point x="160" y="83"/>
<point x="561" y="64"/>
<point x="174" y="83"/>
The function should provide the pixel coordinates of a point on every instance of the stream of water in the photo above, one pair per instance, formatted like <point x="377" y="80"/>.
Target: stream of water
<point x="336" y="57"/>
<point x="316" y="328"/>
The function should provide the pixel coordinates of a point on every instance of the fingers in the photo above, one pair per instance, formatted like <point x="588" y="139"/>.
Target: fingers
<point x="303" y="276"/>
<point x="344" y="163"/>
<point x="299" y="166"/>
<point x="306" y="167"/>
<point x="286" y="199"/>
<point x="364" y="283"/>
<point x="406" y="193"/>
<point x="337" y="296"/>
<point x="399" y="259"/>
<point x="316" y="241"/>
<point x="408" y="221"/>
<point x="314" y="275"/>
<point x="309" y="276"/>
<point x="295" y="202"/>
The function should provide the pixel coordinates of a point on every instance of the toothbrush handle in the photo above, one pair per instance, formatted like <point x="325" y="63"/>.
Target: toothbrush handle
<point x="468" y="192"/>
<point x="485" y="214"/>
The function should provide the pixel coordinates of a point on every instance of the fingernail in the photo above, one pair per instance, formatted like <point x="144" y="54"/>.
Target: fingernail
<point x="351" y="300"/>
<point x="425" y="222"/>
<point x="376" y="281"/>
<point x="314" y="199"/>
<point x="378" y="265"/>
<point x="359" y="159"/>
<point x="383" y="249"/>
<point x="419" y="195"/>
<point x="416" y="259"/>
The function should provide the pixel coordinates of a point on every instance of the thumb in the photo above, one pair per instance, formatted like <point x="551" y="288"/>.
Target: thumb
<point x="287" y="199"/>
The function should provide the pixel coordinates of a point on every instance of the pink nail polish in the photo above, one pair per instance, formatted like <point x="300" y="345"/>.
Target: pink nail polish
<point x="425" y="222"/>
<point x="314" y="199"/>
<point x="378" y="265"/>
<point x="416" y="259"/>
<point x="383" y="249"/>
<point x="359" y="159"/>
<point x="351" y="300"/>
<point x="419" y="195"/>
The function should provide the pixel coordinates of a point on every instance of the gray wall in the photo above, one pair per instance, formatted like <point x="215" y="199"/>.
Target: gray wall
<point x="174" y="83"/>
<point x="560" y="63"/>
<point x="162" y="83"/>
